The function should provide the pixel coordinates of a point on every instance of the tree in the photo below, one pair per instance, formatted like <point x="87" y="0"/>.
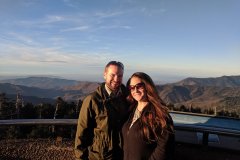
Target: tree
<point x="28" y="111"/>
<point x="70" y="110"/>
<point x="170" y="106"/>
<point x="60" y="108"/>
<point x="7" y="108"/>
<point x="3" y="105"/>
<point x="183" y="108"/>
<point x="47" y="110"/>
<point x="78" y="107"/>
<point x="196" y="110"/>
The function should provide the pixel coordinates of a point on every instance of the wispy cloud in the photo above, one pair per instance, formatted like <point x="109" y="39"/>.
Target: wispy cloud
<point x="152" y="12"/>
<point x="47" y="21"/>
<point x="70" y="3"/>
<point x="81" y="28"/>
<point x="115" y="26"/>
<point x="73" y="21"/>
<point x="109" y="14"/>
<point x="33" y="55"/>
<point x="28" y="3"/>
<point x="23" y="39"/>
<point x="49" y="61"/>
<point x="54" y="18"/>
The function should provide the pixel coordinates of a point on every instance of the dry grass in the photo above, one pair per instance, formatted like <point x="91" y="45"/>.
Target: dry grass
<point x="36" y="149"/>
<point x="62" y="149"/>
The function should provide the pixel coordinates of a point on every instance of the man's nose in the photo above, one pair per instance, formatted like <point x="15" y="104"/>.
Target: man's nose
<point x="116" y="78"/>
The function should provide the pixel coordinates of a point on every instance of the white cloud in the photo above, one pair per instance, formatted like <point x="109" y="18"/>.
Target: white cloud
<point x="81" y="28"/>
<point x="54" y="18"/>
<point x="115" y="26"/>
<point x="109" y="14"/>
<point x="33" y="55"/>
<point x="23" y="39"/>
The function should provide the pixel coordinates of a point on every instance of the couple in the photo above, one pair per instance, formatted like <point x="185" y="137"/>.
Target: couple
<point x="116" y="123"/>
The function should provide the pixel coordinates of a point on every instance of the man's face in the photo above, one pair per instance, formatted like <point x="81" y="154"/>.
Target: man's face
<point x="113" y="77"/>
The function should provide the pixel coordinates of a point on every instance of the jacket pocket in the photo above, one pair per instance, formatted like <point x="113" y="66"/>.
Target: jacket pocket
<point x="100" y="144"/>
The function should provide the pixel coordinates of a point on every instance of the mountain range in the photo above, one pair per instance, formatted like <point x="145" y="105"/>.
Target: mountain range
<point x="221" y="92"/>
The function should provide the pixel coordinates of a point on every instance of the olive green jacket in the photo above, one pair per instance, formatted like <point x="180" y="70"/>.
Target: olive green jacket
<point x="99" y="126"/>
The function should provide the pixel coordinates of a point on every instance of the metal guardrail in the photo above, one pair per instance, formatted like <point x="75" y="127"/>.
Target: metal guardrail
<point x="38" y="122"/>
<point x="205" y="130"/>
<point x="208" y="126"/>
<point x="178" y="126"/>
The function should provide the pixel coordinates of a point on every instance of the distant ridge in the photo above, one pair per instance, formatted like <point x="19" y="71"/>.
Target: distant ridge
<point x="32" y="99"/>
<point x="201" y="96"/>
<point x="224" y="81"/>
<point x="41" y="82"/>
<point x="48" y="88"/>
<point x="221" y="92"/>
<point x="30" y="91"/>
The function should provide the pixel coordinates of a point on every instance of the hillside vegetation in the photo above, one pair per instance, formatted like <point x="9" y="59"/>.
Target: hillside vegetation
<point x="205" y="95"/>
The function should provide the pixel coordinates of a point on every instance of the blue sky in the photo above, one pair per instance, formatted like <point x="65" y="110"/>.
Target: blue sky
<point x="168" y="39"/>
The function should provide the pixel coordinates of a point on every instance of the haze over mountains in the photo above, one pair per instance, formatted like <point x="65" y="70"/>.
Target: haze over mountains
<point x="47" y="89"/>
<point x="41" y="82"/>
<point x="221" y="92"/>
<point x="224" y="81"/>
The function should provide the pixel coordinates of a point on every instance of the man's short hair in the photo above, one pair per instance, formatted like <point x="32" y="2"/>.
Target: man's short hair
<point x="116" y="63"/>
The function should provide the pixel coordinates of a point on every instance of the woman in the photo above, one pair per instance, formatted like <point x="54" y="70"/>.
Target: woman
<point x="148" y="134"/>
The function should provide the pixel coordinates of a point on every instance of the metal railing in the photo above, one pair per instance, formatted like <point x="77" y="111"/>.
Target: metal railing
<point x="205" y="128"/>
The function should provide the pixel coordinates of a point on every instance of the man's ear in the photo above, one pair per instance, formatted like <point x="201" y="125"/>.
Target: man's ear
<point x="105" y="75"/>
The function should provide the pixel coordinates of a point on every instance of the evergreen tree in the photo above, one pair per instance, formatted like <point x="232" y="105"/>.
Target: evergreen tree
<point x="60" y="108"/>
<point x="28" y="111"/>
<point x="7" y="108"/>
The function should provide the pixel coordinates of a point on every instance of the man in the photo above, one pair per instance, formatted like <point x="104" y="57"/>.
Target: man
<point x="101" y="117"/>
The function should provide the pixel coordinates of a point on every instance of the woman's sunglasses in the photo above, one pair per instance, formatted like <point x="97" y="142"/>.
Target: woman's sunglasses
<point x="137" y="86"/>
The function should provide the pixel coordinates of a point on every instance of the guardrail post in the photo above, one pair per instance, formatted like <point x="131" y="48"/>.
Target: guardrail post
<point x="205" y="138"/>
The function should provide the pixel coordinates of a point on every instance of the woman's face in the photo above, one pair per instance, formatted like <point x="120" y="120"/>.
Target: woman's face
<point x="137" y="89"/>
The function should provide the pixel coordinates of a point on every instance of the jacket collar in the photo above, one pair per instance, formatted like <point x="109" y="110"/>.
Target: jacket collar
<point x="109" y="91"/>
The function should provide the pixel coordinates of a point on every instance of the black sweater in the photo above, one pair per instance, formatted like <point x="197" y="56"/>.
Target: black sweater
<point x="135" y="148"/>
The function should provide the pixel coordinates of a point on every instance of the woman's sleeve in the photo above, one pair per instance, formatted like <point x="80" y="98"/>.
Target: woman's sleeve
<point x="164" y="149"/>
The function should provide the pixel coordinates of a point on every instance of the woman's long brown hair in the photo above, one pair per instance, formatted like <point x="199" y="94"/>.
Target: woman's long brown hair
<point x="155" y="115"/>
